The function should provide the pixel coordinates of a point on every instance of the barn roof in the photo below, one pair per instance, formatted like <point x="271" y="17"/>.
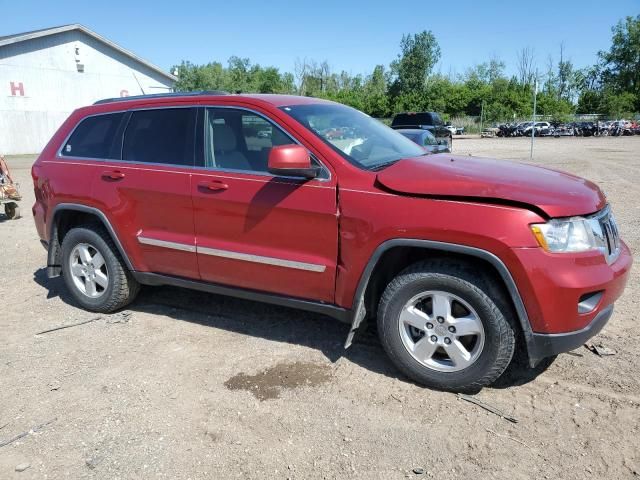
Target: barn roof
<point x="24" y="36"/>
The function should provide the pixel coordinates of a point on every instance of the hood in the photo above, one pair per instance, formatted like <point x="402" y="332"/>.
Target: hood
<point x="556" y="193"/>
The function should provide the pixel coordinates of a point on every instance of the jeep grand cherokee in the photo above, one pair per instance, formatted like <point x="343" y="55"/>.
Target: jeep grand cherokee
<point x="463" y="261"/>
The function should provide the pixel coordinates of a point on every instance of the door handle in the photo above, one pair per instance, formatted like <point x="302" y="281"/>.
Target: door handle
<point x="214" y="185"/>
<point x="113" y="175"/>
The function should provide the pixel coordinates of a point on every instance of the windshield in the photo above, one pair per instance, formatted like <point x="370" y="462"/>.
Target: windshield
<point x="360" y="139"/>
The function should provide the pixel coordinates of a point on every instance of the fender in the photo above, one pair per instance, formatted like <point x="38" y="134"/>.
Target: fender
<point x="359" y="312"/>
<point x="53" y="268"/>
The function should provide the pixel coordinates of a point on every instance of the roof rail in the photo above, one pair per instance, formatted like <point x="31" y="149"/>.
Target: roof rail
<point x="161" y="95"/>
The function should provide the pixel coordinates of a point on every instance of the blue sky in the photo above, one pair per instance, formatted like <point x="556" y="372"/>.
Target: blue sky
<point x="352" y="35"/>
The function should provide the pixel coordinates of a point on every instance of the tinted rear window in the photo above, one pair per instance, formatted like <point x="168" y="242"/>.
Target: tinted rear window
<point x="160" y="136"/>
<point x="95" y="137"/>
<point x="412" y="119"/>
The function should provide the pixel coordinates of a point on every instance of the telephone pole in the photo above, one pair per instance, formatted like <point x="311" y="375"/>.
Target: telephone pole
<point x="533" y="124"/>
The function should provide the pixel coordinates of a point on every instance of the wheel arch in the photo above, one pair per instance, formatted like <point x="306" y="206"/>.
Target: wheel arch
<point x="69" y="215"/>
<point x="409" y="250"/>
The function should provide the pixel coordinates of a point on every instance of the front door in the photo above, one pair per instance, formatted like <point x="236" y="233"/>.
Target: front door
<point x="254" y="230"/>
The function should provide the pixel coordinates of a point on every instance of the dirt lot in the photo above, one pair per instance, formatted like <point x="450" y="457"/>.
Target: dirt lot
<point x="190" y="385"/>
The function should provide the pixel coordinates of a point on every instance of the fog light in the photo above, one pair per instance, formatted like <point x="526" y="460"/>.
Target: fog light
<point x="589" y="301"/>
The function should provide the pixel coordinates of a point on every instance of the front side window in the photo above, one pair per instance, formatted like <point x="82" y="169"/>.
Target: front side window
<point x="163" y="136"/>
<point x="95" y="137"/>
<point x="357" y="137"/>
<point x="240" y="140"/>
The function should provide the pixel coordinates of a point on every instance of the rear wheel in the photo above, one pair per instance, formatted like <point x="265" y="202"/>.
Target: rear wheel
<point x="94" y="272"/>
<point x="440" y="327"/>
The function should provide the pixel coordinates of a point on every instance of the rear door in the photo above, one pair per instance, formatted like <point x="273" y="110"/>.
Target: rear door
<point x="254" y="230"/>
<point x="147" y="192"/>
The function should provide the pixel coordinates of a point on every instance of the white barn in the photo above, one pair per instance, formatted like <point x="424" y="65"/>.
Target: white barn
<point x="46" y="74"/>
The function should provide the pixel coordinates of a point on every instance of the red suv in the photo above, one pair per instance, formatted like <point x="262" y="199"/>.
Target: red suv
<point x="463" y="261"/>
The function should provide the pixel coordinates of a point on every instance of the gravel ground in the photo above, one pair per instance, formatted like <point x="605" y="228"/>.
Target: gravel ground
<point x="190" y="385"/>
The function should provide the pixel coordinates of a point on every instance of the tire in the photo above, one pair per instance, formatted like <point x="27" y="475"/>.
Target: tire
<point x="491" y="350"/>
<point x="12" y="211"/>
<point x="119" y="289"/>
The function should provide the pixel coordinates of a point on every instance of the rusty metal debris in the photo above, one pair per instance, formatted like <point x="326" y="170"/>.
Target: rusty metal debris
<point x="7" y="186"/>
<point x="35" y="429"/>
<point x="507" y="436"/>
<point x="486" y="406"/>
<point x="120" y="317"/>
<point x="69" y="325"/>
<point x="600" y="349"/>
<point x="9" y="194"/>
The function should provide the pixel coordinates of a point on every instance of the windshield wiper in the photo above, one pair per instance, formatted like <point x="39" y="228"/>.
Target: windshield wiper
<point x="383" y="165"/>
<point x="387" y="164"/>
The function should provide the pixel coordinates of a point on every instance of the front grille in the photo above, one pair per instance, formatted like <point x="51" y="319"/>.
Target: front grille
<point x="608" y="234"/>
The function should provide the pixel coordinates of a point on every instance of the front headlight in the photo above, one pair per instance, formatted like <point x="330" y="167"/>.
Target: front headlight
<point x="570" y="235"/>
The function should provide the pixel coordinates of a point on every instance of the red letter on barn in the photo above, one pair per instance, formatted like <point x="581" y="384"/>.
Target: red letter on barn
<point x="17" y="88"/>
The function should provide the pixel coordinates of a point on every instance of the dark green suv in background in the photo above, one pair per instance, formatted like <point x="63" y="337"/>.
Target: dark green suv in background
<point x="427" y="121"/>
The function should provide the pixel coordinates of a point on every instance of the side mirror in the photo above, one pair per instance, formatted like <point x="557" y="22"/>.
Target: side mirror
<point x="291" y="161"/>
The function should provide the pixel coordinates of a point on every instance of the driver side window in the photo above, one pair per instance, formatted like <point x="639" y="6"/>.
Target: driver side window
<point x="240" y="140"/>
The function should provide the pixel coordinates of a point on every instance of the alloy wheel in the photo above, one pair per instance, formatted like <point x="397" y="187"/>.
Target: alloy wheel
<point x="441" y="331"/>
<point x="88" y="270"/>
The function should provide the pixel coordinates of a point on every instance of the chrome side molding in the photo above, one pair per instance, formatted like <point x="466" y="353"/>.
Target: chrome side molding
<point x="166" y="244"/>
<point x="245" y="257"/>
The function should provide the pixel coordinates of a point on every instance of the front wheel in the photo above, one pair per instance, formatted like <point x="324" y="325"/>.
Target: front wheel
<point x="93" y="271"/>
<point x="440" y="326"/>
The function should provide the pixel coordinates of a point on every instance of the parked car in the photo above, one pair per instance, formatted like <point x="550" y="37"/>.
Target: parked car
<point x="425" y="139"/>
<point x="454" y="130"/>
<point x="523" y="127"/>
<point x="424" y="120"/>
<point x="542" y="129"/>
<point x="464" y="262"/>
<point x="333" y="133"/>
<point x="264" y="134"/>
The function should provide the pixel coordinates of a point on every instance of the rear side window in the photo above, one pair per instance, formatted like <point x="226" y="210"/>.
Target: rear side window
<point x="95" y="137"/>
<point x="160" y="136"/>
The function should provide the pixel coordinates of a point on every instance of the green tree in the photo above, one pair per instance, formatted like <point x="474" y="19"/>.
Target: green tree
<point x="621" y="64"/>
<point x="240" y="75"/>
<point x="611" y="87"/>
<point x="375" y="93"/>
<point x="269" y="80"/>
<point x="590" y="101"/>
<point x="618" y="105"/>
<point x="419" y="53"/>
<point x="192" y="77"/>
